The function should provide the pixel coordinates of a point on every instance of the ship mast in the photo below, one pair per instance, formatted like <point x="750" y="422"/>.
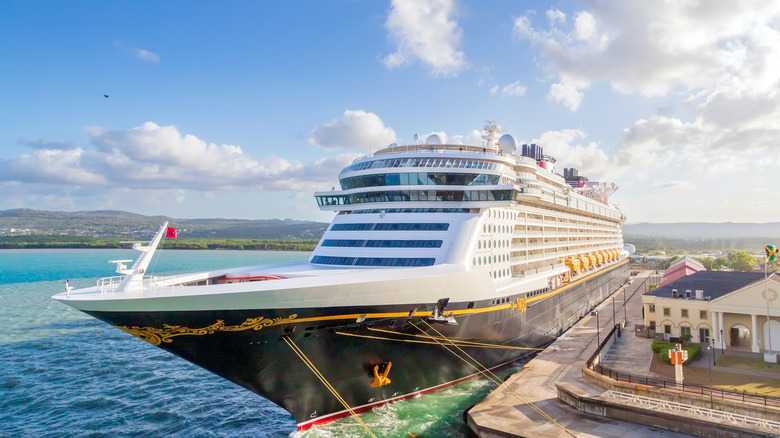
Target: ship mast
<point x="492" y="132"/>
<point x="135" y="275"/>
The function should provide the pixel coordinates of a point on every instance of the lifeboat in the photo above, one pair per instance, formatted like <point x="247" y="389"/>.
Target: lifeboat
<point x="584" y="261"/>
<point x="573" y="263"/>
<point x="593" y="259"/>
<point x="600" y="257"/>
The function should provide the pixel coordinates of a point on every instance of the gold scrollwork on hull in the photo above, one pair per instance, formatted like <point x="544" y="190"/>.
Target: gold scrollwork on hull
<point x="157" y="336"/>
<point x="519" y="304"/>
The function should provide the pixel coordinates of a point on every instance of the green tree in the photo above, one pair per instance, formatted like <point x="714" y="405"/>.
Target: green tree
<point x="720" y="262"/>
<point x="742" y="261"/>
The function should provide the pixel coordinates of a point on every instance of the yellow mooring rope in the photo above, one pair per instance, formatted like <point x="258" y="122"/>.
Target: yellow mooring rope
<point x="464" y="343"/>
<point x="324" y="381"/>
<point x="492" y="376"/>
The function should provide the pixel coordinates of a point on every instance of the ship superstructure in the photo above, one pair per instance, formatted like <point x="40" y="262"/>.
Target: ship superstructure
<point x="485" y="246"/>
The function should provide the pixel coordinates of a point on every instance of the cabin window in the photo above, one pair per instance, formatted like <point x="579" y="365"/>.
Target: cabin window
<point x="667" y="312"/>
<point x="702" y="314"/>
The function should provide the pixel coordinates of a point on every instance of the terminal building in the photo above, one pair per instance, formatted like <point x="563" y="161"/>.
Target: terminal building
<point x="727" y="309"/>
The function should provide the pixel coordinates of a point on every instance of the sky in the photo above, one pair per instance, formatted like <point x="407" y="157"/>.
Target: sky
<point x="239" y="109"/>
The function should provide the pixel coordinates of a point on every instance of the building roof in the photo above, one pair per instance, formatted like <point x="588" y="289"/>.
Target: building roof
<point x="715" y="284"/>
<point x="680" y="268"/>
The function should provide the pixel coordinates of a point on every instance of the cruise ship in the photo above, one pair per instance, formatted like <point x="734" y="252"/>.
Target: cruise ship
<point x="442" y="260"/>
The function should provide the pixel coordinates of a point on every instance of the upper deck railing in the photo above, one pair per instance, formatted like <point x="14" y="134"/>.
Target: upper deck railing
<point x="111" y="284"/>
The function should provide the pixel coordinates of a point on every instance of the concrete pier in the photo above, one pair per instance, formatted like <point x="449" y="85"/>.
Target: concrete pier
<point x="554" y="382"/>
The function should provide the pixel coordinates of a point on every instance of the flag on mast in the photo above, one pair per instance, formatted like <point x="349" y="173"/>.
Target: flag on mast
<point x="171" y="233"/>
<point x="771" y="252"/>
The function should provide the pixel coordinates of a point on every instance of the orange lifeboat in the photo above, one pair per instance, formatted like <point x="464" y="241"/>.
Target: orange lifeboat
<point x="584" y="261"/>
<point x="600" y="257"/>
<point x="573" y="263"/>
<point x="593" y="259"/>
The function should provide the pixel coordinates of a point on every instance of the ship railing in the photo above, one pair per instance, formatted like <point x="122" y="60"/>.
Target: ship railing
<point x="152" y="283"/>
<point x="109" y="284"/>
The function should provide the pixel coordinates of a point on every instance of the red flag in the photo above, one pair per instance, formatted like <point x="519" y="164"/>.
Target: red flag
<point x="171" y="233"/>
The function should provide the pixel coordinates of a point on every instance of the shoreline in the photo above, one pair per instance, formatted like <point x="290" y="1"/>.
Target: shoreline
<point x="83" y="242"/>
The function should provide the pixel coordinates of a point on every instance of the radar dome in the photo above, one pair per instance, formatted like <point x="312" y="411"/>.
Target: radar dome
<point x="434" y="139"/>
<point x="507" y="144"/>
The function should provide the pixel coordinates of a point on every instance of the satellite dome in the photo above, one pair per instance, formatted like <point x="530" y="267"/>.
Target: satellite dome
<point x="434" y="139"/>
<point x="392" y="145"/>
<point x="507" y="144"/>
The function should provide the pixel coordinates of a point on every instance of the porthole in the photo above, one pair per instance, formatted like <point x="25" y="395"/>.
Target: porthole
<point x="474" y="261"/>
<point x="479" y="244"/>
<point x="471" y="305"/>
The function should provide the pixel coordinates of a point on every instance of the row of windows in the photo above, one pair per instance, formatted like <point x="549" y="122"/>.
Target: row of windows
<point x="413" y="210"/>
<point x="478" y="261"/>
<point x="704" y="333"/>
<point x="489" y="244"/>
<point x="423" y="162"/>
<point x="419" y="178"/>
<point x="391" y="227"/>
<point x="373" y="261"/>
<point x="529" y="294"/>
<point x="382" y="243"/>
<point x="683" y="312"/>
<point x="418" y="195"/>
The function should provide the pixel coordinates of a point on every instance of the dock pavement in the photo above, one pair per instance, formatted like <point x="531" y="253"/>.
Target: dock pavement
<point x="502" y="414"/>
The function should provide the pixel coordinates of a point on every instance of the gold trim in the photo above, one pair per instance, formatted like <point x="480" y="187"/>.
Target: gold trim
<point x="520" y="304"/>
<point x="156" y="336"/>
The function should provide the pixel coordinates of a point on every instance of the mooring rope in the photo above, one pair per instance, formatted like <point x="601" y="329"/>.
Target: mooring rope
<point x="492" y="377"/>
<point x="324" y="381"/>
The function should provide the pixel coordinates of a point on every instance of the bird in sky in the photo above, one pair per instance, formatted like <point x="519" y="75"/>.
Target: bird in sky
<point x="106" y="96"/>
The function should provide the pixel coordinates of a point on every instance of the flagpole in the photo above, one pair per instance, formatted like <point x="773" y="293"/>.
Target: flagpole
<point x="766" y="293"/>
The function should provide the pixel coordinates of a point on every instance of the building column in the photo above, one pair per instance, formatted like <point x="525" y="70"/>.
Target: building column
<point x="754" y="334"/>
<point x="720" y="325"/>
<point x="715" y="335"/>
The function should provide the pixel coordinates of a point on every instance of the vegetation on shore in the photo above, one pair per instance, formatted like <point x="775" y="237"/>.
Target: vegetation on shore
<point x="657" y="245"/>
<point x="66" y="241"/>
<point x="736" y="261"/>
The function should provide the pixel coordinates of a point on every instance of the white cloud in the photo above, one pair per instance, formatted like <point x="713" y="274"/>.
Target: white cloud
<point x="159" y="158"/>
<point x="147" y="55"/>
<point x="718" y="60"/>
<point x="585" y="26"/>
<point x="556" y="16"/>
<point x="513" y="89"/>
<point x="675" y="185"/>
<point x="425" y="30"/>
<point x="353" y="130"/>
<point x="656" y="48"/>
<point x="484" y="75"/>
<point x="473" y="139"/>
<point x="568" y="93"/>
<point x="588" y="158"/>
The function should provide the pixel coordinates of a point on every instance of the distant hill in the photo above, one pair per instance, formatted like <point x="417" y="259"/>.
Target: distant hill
<point x="113" y="223"/>
<point x="705" y="230"/>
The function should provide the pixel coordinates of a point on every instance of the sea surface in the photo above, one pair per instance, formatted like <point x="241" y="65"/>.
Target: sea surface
<point x="65" y="374"/>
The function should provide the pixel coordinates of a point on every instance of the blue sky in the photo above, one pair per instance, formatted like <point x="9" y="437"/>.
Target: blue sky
<point x="244" y="109"/>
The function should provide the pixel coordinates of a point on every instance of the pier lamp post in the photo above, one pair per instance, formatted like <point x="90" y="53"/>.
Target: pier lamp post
<point x="710" y="350"/>
<point x="613" y="311"/>
<point x="722" y="341"/>
<point x="713" y="350"/>
<point x="625" y="312"/>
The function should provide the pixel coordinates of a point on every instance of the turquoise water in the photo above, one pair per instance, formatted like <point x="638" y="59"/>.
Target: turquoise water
<point x="65" y="374"/>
